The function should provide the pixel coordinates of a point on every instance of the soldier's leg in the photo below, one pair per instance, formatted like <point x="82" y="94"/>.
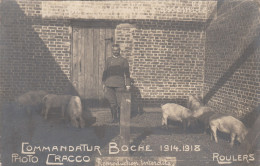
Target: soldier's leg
<point x="110" y="94"/>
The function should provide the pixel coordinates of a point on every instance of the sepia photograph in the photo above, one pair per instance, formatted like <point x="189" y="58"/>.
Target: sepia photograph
<point x="129" y="82"/>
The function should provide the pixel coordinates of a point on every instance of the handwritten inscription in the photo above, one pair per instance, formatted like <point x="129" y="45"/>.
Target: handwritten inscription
<point x="163" y="10"/>
<point x="134" y="161"/>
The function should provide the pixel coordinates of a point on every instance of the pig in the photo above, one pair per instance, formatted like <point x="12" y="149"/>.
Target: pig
<point x="202" y="110"/>
<point x="194" y="102"/>
<point x="201" y="113"/>
<point x="175" y="112"/>
<point x="230" y="125"/>
<point x="75" y="112"/>
<point x="203" y="120"/>
<point x="206" y="117"/>
<point x="55" y="101"/>
<point x="252" y="137"/>
<point x="31" y="99"/>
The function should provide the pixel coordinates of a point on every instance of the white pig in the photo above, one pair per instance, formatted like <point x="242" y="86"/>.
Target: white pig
<point x="230" y="125"/>
<point x="75" y="112"/>
<point x="194" y="102"/>
<point x="175" y="112"/>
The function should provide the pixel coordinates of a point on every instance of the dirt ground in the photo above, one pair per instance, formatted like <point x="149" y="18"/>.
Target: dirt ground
<point x="194" y="147"/>
<point x="146" y="130"/>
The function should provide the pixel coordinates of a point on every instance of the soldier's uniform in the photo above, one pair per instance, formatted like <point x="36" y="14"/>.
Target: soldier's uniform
<point x="116" y="77"/>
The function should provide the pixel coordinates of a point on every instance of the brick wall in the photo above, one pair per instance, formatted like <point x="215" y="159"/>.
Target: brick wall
<point x="166" y="59"/>
<point x="232" y="58"/>
<point x="164" y="52"/>
<point x="170" y="55"/>
<point x="35" y="52"/>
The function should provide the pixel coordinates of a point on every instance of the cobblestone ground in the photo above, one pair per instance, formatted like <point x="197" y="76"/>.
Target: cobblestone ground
<point x="194" y="147"/>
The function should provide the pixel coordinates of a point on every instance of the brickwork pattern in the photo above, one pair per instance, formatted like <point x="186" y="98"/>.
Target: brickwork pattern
<point x="170" y="56"/>
<point x="232" y="58"/>
<point x="35" y="53"/>
<point x="166" y="59"/>
<point x="168" y="64"/>
<point x="45" y="64"/>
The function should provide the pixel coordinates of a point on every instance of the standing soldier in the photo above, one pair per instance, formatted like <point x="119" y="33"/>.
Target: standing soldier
<point x="116" y="78"/>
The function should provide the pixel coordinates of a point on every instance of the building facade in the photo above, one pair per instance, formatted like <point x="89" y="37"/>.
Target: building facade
<point x="175" y="48"/>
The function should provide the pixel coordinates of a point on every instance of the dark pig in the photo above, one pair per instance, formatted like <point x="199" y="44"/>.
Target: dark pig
<point x="253" y="137"/>
<point x="201" y="113"/>
<point x="31" y="99"/>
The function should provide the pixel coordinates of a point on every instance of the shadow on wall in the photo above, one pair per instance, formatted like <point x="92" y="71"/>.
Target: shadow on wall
<point x="249" y="51"/>
<point x="136" y="104"/>
<point x="28" y="64"/>
<point x="246" y="19"/>
<point x="214" y="12"/>
<point x="26" y="61"/>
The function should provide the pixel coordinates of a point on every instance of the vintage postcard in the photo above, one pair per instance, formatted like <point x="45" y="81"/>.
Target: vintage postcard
<point x="129" y="82"/>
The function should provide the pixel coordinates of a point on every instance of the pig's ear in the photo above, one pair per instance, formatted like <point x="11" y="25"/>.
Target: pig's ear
<point x="162" y="105"/>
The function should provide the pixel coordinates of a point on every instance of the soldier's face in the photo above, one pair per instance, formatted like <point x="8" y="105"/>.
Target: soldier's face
<point x="116" y="51"/>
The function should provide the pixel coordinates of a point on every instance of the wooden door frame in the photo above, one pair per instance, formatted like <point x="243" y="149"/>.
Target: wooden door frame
<point x="89" y="24"/>
<point x="78" y="24"/>
<point x="94" y="23"/>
